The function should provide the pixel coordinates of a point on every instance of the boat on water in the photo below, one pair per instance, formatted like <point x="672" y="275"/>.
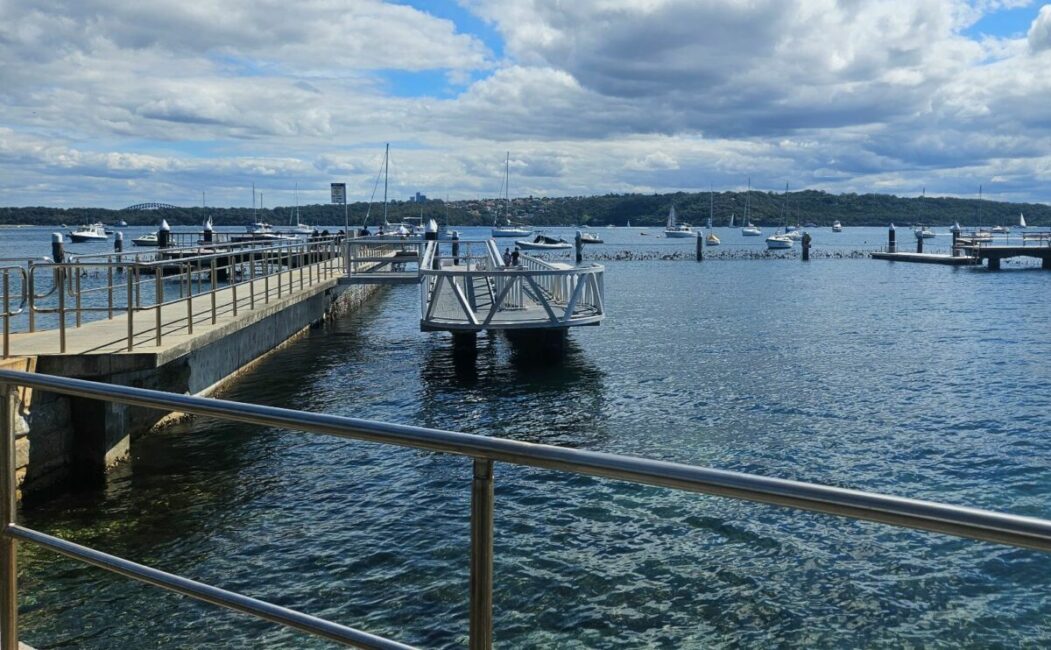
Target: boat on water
<point x="1021" y="220"/>
<point x="794" y="235"/>
<point x="676" y="230"/>
<point x="749" y="230"/>
<point x="1002" y="230"/>
<point x="295" y="227"/>
<point x="837" y="226"/>
<point x="590" y="238"/>
<point x="146" y="240"/>
<point x="778" y="241"/>
<point x="923" y="232"/>
<point x="89" y="233"/>
<point x="122" y="224"/>
<point x="508" y="229"/>
<point x="782" y="239"/>
<point x="711" y="239"/>
<point x="543" y="243"/>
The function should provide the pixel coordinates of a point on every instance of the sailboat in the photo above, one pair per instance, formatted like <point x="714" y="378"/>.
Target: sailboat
<point x="837" y="226"/>
<point x="711" y="238"/>
<point x="1021" y="220"/>
<point x="508" y="229"/>
<point x="780" y="240"/>
<point x="749" y="230"/>
<point x="296" y="227"/>
<point x="676" y="230"/>
<point x="731" y="220"/>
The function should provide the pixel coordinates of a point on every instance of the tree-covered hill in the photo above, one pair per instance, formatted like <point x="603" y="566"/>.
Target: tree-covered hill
<point x="765" y="208"/>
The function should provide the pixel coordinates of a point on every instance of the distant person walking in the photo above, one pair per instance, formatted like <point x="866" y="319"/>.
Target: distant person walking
<point x="507" y="257"/>
<point x="514" y="257"/>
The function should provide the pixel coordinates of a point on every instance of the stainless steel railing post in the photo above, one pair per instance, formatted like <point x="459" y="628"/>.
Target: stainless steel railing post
<point x="189" y="299"/>
<point x="61" y="271"/>
<point x="251" y="279"/>
<point x="109" y="290"/>
<point x="7" y="316"/>
<point x="214" y="281"/>
<point x="159" y="299"/>
<point x="482" y="555"/>
<point x="130" y="272"/>
<point x="8" y="516"/>
<point x="266" y="277"/>
<point x="77" y="271"/>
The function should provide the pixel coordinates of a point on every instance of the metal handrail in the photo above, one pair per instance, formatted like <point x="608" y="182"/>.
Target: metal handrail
<point x="1028" y="532"/>
<point x="317" y="256"/>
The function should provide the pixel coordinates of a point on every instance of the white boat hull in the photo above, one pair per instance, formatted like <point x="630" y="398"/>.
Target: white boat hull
<point x="527" y="245"/>
<point x="511" y="232"/>
<point x="778" y="242"/>
<point x="81" y="238"/>
<point x="679" y="234"/>
<point x="751" y="232"/>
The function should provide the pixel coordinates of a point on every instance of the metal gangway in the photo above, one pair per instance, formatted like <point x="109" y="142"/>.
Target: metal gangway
<point x="466" y="287"/>
<point x="474" y="290"/>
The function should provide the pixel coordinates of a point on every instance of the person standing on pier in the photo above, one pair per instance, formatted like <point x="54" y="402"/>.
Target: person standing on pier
<point x="514" y="257"/>
<point x="507" y="257"/>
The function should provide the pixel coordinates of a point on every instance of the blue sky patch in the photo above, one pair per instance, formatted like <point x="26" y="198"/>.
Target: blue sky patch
<point x="1006" y="23"/>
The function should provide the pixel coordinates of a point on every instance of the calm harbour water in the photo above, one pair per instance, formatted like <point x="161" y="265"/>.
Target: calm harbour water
<point x="915" y="380"/>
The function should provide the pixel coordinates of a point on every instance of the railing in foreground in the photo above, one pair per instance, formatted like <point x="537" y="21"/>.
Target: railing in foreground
<point x="960" y="521"/>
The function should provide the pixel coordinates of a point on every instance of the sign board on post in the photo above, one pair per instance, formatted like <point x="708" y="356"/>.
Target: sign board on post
<point x="339" y="192"/>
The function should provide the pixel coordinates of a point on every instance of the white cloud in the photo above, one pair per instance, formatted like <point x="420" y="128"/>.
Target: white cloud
<point x="1039" y="36"/>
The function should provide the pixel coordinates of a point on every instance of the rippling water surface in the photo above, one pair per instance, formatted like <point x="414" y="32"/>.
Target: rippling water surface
<point x="914" y="380"/>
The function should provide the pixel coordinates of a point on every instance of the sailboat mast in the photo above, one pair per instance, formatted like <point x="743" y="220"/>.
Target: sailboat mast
<point x="507" y="188"/>
<point x="711" y="205"/>
<point x="255" y="217"/>
<point x="386" y="169"/>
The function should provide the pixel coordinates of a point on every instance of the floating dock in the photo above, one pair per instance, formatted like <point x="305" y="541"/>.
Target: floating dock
<point x="926" y="258"/>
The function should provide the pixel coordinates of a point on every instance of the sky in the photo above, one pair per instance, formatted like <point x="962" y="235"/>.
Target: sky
<point x="109" y="103"/>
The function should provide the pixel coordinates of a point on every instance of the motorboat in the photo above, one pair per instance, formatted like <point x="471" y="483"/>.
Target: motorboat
<point x="794" y="235"/>
<point x="543" y="243"/>
<point x="1001" y="230"/>
<point x="837" y="226"/>
<point x="751" y="231"/>
<point x="711" y="239"/>
<point x="789" y="229"/>
<point x="146" y="240"/>
<point x="590" y="238"/>
<point x="89" y="233"/>
<point x="779" y="241"/>
<point x="923" y="232"/>
<point x="675" y="229"/>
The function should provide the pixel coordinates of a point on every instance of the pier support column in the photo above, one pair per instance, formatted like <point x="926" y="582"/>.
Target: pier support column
<point x="1045" y="262"/>
<point x="465" y="342"/>
<point x="700" y="247"/>
<point x="118" y="243"/>
<point x="456" y="248"/>
<point x="806" y="246"/>
<point x="892" y="246"/>
<point x="994" y="263"/>
<point x="578" y="243"/>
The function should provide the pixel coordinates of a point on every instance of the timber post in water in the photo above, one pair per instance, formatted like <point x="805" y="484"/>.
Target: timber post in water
<point x="891" y="245"/>
<point x="118" y="243"/>
<point x="955" y="238"/>
<point x="164" y="234"/>
<point x="456" y="248"/>
<point x="806" y="247"/>
<point x="58" y="248"/>
<point x="700" y="248"/>
<point x="919" y="244"/>
<point x="208" y="232"/>
<point x="578" y="242"/>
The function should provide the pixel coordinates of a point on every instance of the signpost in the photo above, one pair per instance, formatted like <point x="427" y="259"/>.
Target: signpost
<point x="339" y="196"/>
